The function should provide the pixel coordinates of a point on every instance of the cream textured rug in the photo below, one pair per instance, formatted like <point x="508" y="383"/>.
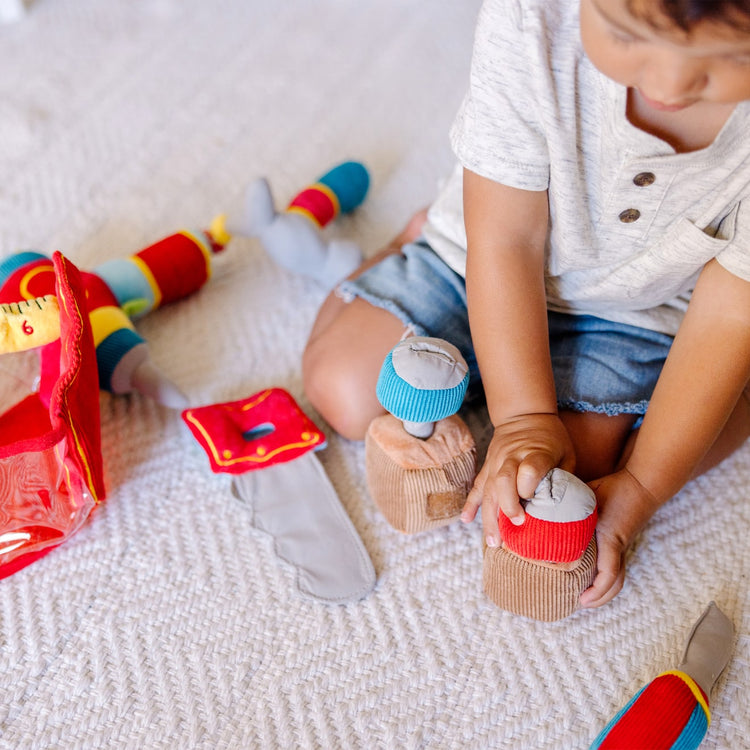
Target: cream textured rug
<point x="167" y="621"/>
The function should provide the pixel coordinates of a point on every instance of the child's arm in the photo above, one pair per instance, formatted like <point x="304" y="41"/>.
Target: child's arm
<point x="704" y="376"/>
<point x="506" y="232"/>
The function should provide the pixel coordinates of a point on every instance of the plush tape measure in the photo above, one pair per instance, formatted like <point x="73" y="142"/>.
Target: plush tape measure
<point x="29" y="323"/>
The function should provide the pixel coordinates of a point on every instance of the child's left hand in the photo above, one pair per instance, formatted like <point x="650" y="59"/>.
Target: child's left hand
<point x="625" y="507"/>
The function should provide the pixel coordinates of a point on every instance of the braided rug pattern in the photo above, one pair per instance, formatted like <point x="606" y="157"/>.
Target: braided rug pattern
<point x="167" y="621"/>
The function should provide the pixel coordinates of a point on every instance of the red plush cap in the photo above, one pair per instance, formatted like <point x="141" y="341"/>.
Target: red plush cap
<point x="550" y="541"/>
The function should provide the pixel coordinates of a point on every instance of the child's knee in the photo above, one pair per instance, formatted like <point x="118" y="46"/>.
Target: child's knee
<point x="337" y="389"/>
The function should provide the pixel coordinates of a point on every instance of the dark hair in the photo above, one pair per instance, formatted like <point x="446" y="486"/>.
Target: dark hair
<point x="687" y="13"/>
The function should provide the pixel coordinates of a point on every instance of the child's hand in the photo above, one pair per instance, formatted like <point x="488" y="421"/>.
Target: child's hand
<point x="522" y="450"/>
<point x="625" y="507"/>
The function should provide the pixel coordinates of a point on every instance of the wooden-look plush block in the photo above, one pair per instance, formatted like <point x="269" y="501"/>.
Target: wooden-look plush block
<point x="532" y="588"/>
<point x="419" y="484"/>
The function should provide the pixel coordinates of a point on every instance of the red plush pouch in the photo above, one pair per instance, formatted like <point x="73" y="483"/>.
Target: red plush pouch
<point x="50" y="447"/>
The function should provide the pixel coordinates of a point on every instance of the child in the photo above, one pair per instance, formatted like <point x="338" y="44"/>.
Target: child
<point x="606" y="203"/>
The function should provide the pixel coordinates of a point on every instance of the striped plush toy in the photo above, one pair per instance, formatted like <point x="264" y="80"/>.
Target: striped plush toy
<point x="117" y="291"/>
<point x="292" y="237"/>
<point x="671" y="712"/>
<point x="178" y="265"/>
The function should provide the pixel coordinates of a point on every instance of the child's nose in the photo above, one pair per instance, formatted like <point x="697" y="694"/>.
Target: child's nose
<point x="674" y="81"/>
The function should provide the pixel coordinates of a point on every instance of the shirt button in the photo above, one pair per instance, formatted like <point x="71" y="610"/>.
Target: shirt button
<point x="629" y="215"/>
<point x="644" y="179"/>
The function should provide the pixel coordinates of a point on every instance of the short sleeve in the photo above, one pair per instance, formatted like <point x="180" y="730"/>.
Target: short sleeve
<point x="736" y="256"/>
<point x="497" y="132"/>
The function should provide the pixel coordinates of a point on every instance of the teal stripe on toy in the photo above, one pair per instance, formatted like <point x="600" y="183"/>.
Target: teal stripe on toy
<point x="110" y="352"/>
<point x="689" y="738"/>
<point x="664" y="715"/>
<point x="350" y="182"/>
<point x="694" y="732"/>
<point x="597" y="743"/>
<point x="413" y="404"/>
<point x="10" y="265"/>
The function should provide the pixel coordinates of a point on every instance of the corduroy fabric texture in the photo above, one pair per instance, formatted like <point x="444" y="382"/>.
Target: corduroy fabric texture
<point x="550" y="541"/>
<point x="542" y="591"/>
<point x="681" y="724"/>
<point x="167" y="621"/>
<point x="419" y="484"/>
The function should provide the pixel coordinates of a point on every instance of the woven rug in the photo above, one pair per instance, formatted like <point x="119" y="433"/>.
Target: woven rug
<point x="168" y="621"/>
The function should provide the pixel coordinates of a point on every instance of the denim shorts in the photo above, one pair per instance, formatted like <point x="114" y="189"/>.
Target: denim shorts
<point x="599" y="366"/>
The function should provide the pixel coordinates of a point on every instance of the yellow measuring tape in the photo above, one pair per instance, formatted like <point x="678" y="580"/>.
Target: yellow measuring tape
<point x="29" y="323"/>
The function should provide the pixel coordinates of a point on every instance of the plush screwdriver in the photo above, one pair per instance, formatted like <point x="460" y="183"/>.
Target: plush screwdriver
<point x="671" y="712"/>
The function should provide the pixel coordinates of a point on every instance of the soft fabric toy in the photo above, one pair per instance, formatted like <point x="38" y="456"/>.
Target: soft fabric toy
<point x="292" y="237"/>
<point x="420" y="460"/>
<point x="544" y="565"/>
<point x="671" y="712"/>
<point x="267" y="442"/>
<point x="50" y="456"/>
<point x="50" y="452"/>
<point x="117" y="291"/>
<point x="28" y="324"/>
<point x="177" y="266"/>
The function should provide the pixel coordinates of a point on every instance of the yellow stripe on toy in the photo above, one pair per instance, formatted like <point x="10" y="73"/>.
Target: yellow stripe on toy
<point x="218" y="230"/>
<point x="28" y="324"/>
<point x="106" y="320"/>
<point x="149" y="277"/>
<point x="200" y="241"/>
<point x="694" y="689"/>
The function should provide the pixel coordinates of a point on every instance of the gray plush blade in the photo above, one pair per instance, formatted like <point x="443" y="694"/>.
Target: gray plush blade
<point x="296" y="504"/>
<point x="708" y="648"/>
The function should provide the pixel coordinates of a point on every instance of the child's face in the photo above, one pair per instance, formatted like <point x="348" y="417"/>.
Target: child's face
<point x="640" y="48"/>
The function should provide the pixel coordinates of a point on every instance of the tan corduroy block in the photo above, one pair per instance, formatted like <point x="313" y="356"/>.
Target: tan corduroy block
<point x="542" y="591"/>
<point x="419" y="484"/>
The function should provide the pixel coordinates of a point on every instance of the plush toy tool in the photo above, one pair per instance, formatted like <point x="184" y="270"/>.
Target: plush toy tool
<point x="671" y="712"/>
<point x="544" y="565"/>
<point x="117" y="291"/>
<point x="420" y="458"/>
<point x="267" y="442"/>
<point x="28" y="324"/>
<point x="292" y="237"/>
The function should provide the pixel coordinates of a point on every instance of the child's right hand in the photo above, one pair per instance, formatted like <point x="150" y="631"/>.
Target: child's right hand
<point x="522" y="450"/>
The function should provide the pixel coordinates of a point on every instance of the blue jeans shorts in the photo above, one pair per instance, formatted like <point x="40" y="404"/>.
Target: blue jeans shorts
<point x="599" y="366"/>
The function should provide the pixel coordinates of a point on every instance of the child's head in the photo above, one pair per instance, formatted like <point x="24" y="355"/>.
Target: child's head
<point x="675" y="52"/>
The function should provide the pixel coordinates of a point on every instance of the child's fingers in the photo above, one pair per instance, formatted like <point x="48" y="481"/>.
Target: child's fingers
<point x="473" y="500"/>
<point x="500" y="495"/>
<point x="531" y="471"/>
<point x="609" y="578"/>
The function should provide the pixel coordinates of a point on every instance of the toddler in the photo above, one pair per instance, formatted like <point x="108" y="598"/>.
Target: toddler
<point x="590" y="257"/>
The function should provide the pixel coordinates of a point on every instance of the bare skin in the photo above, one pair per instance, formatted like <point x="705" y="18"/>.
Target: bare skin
<point x="682" y="87"/>
<point x="340" y="369"/>
<point x="340" y="366"/>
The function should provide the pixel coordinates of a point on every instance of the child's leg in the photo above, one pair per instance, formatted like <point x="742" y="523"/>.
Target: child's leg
<point x="346" y="349"/>
<point x="598" y="441"/>
<point x="736" y="431"/>
<point x="342" y="361"/>
<point x="602" y="444"/>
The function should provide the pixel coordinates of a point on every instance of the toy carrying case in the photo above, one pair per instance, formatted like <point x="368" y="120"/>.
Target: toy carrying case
<point x="50" y="446"/>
